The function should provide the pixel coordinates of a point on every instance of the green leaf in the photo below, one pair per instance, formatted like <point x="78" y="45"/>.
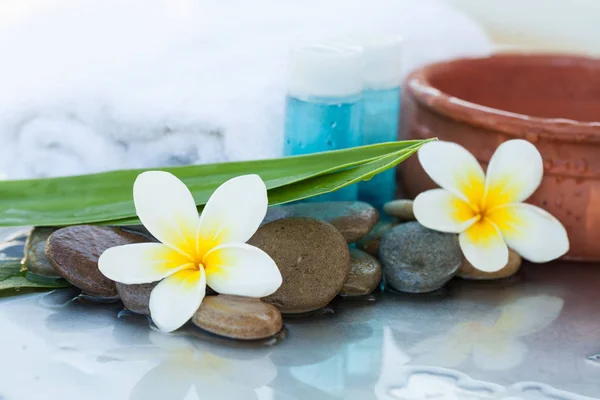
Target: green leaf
<point x="107" y="197"/>
<point x="14" y="280"/>
<point x="337" y="180"/>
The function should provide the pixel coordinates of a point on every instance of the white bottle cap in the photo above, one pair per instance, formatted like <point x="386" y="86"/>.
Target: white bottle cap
<point x="326" y="69"/>
<point x="383" y="58"/>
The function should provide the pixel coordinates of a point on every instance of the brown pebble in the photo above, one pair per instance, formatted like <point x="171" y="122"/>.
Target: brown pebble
<point x="238" y="317"/>
<point x="74" y="253"/>
<point x="370" y="243"/>
<point x="467" y="271"/>
<point x="136" y="298"/>
<point x="313" y="258"/>
<point x="365" y="274"/>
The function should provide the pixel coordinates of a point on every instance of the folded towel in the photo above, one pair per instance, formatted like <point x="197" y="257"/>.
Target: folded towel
<point x="178" y="148"/>
<point x="56" y="145"/>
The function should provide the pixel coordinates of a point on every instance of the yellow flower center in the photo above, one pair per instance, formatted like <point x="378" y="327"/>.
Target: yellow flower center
<point x="481" y="203"/>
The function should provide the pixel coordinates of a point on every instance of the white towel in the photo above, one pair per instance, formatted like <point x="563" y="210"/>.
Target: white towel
<point x="61" y="145"/>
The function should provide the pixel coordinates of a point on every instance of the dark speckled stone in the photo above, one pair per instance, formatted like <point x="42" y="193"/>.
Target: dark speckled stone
<point x="74" y="253"/>
<point x="364" y="276"/>
<point x="418" y="260"/>
<point x="136" y="298"/>
<point x="354" y="219"/>
<point x="313" y="258"/>
<point x="35" y="252"/>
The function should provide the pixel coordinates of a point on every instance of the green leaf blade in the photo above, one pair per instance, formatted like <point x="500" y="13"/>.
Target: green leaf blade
<point x="106" y="198"/>
<point x="14" y="280"/>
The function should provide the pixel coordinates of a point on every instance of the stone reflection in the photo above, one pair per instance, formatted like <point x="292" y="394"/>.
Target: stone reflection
<point x="328" y="360"/>
<point x="492" y="346"/>
<point x="187" y="365"/>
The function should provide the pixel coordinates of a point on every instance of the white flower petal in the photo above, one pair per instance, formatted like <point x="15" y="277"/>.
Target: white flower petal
<point x="141" y="263"/>
<point x="453" y="168"/>
<point x="532" y="232"/>
<point x="514" y="173"/>
<point x="242" y="270"/>
<point x="176" y="298"/>
<point x="440" y="210"/>
<point x="167" y="209"/>
<point x="233" y="213"/>
<point x="483" y="246"/>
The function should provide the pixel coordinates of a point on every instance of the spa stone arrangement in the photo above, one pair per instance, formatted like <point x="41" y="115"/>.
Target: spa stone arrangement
<point x="323" y="250"/>
<point x="210" y="252"/>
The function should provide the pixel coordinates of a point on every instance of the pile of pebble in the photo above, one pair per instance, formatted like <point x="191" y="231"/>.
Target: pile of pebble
<point x="323" y="250"/>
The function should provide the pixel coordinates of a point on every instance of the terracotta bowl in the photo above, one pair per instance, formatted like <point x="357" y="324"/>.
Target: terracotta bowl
<point x="552" y="101"/>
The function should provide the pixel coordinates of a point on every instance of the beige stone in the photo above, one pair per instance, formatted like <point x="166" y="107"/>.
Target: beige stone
<point x="238" y="317"/>
<point x="402" y="209"/>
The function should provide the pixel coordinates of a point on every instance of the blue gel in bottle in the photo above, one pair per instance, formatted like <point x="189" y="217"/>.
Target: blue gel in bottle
<point x="381" y="100"/>
<point x="324" y="105"/>
<point x="380" y="124"/>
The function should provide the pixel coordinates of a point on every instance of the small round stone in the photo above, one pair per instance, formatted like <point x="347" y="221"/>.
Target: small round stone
<point x="354" y="219"/>
<point x="402" y="209"/>
<point x="36" y="260"/>
<point x="313" y="258"/>
<point x="365" y="274"/>
<point x="467" y="271"/>
<point x="136" y="298"/>
<point x="74" y="253"/>
<point x="418" y="260"/>
<point x="370" y="243"/>
<point x="238" y="317"/>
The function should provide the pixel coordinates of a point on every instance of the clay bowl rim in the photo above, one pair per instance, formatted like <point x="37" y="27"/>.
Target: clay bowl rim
<point x="509" y="123"/>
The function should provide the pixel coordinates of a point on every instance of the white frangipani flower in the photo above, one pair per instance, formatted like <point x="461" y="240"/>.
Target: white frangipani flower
<point x="487" y="211"/>
<point x="194" y="250"/>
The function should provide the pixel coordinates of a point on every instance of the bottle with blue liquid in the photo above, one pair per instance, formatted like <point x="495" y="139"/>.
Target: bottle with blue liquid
<point x="381" y="108"/>
<point x="324" y="103"/>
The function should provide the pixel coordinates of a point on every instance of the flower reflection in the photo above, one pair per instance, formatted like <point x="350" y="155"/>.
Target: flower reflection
<point x="185" y="366"/>
<point x="493" y="346"/>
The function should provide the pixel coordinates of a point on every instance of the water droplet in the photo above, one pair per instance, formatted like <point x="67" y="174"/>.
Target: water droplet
<point x="333" y="125"/>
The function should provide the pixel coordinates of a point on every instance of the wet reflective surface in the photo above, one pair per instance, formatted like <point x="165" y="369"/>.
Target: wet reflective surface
<point x="536" y="336"/>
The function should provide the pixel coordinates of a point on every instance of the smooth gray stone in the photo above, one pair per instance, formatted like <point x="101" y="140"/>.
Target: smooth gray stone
<point x="418" y="260"/>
